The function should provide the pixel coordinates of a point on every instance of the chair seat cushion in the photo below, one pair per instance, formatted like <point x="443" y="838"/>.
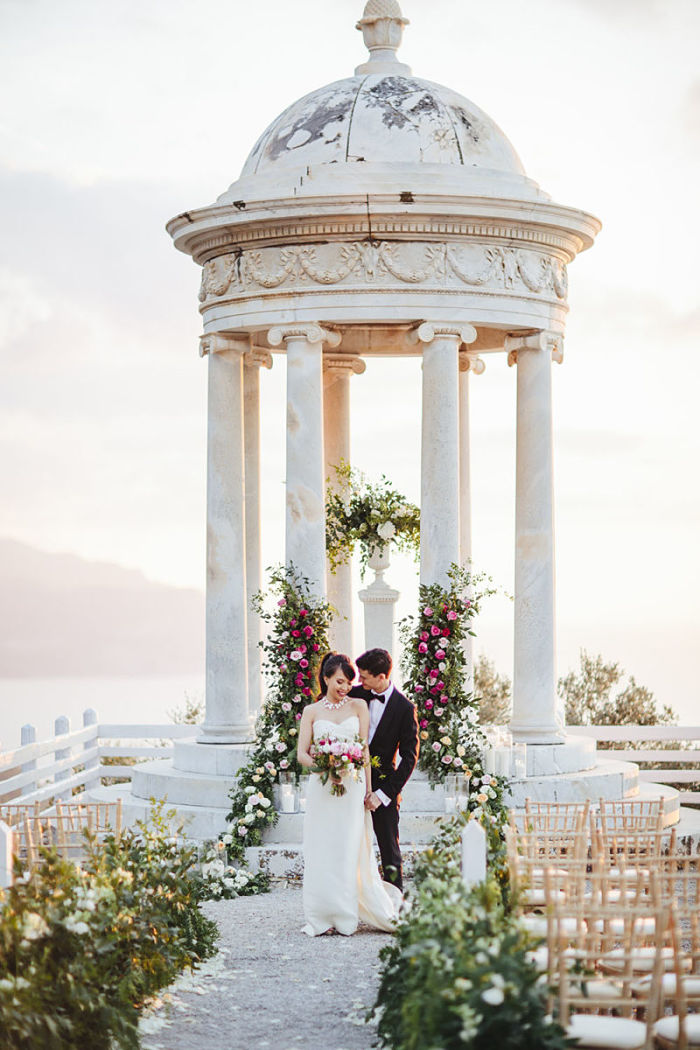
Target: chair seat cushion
<point x="691" y="985"/>
<point x="643" y="960"/>
<point x="610" y="1033"/>
<point x="666" y="1030"/>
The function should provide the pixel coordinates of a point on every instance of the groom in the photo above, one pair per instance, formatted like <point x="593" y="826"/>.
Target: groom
<point x="393" y="731"/>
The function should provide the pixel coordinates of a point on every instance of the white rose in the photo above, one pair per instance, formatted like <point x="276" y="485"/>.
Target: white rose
<point x="386" y="530"/>
<point x="296" y="654"/>
<point x="249" y="818"/>
<point x="493" y="996"/>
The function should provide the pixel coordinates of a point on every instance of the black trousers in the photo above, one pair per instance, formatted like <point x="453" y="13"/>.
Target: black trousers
<point x="385" y="820"/>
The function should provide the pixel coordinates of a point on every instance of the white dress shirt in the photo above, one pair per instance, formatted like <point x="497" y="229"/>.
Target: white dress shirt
<point x="376" y="710"/>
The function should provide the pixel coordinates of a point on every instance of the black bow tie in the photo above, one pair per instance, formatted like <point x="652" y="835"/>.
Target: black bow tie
<point x="380" y="698"/>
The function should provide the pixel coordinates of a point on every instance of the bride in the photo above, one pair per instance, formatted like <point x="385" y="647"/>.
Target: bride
<point x="341" y="877"/>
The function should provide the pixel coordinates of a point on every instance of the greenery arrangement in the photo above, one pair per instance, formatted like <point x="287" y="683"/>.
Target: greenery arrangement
<point x="368" y="515"/>
<point x="83" y="949"/>
<point x="224" y="881"/>
<point x="434" y="673"/>
<point x="296" y="641"/>
<point x="457" y="974"/>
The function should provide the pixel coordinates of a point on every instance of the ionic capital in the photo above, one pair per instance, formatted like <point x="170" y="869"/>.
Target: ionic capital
<point x="312" y="333"/>
<point x="343" y="364"/>
<point x="428" y="331"/>
<point x="471" y="363"/>
<point x="539" y="341"/>
<point x="219" y="343"/>
<point x="257" y="358"/>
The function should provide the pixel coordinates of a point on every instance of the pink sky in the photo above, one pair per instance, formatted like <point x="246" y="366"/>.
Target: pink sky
<point x="116" y="117"/>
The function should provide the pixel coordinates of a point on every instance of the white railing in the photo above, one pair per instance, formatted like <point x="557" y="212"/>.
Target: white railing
<point x="668" y="773"/>
<point x="72" y="761"/>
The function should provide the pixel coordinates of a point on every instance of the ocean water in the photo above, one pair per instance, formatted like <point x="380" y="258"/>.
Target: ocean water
<point x="38" y="701"/>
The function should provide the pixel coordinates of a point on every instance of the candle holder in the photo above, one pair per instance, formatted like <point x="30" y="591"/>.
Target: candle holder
<point x="288" y="793"/>
<point x="462" y="797"/>
<point x="301" y="793"/>
<point x="519" y="761"/>
<point x="450" y="789"/>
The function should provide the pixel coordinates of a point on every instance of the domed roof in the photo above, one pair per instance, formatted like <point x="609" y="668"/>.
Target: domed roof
<point x="378" y="118"/>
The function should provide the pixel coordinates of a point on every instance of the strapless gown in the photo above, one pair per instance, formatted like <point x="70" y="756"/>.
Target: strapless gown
<point x="341" y="879"/>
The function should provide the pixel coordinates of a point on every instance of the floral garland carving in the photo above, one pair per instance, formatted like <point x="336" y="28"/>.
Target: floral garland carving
<point x="409" y="263"/>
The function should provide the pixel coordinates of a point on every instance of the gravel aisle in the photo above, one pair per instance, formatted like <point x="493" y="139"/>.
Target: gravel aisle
<point x="271" y="987"/>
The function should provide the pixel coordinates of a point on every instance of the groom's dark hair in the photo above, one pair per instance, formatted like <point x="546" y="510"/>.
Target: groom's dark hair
<point x="376" y="661"/>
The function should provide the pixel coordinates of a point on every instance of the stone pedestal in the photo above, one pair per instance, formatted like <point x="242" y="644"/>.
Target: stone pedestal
<point x="379" y="600"/>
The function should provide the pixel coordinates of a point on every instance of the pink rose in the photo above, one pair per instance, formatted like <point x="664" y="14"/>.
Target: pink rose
<point x="439" y="654"/>
<point x="242" y="830"/>
<point x="447" y="759"/>
<point x="424" y="636"/>
<point x="418" y="689"/>
<point x="303" y="612"/>
<point x="306" y="691"/>
<point x="303" y="663"/>
<point x="428" y="704"/>
<point x="427" y="611"/>
<point x="298" y="716"/>
<point x="446" y="632"/>
<point x="422" y="648"/>
<point x="296" y="634"/>
<point x="436" y="746"/>
<point x="434" y="630"/>
<point x="314" y="647"/>
<point x="308" y="631"/>
<point x="443" y="699"/>
<point x="286" y="706"/>
<point x="424" y="723"/>
<point x="282" y="601"/>
<point x="299" y="680"/>
<point x="434" y="673"/>
<point x="452" y="615"/>
<point x="435" y="690"/>
<point x="467" y="605"/>
<point x="441" y="685"/>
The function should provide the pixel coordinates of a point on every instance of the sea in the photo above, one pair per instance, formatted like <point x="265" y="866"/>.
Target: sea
<point x="129" y="700"/>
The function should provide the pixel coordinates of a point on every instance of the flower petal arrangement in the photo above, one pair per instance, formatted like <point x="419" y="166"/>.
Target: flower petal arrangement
<point x="297" y="639"/>
<point x="360" y="513"/>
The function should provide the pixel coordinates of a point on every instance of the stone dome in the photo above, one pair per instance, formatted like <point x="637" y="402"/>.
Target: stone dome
<point x="382" y="118"/>
<point x="361" y="133"/>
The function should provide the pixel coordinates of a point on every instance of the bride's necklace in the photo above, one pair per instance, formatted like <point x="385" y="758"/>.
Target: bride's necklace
<point x="325" y="702"/>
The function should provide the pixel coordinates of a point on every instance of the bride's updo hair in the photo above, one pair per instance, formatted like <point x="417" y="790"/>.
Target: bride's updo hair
<point x="330" y="663"/>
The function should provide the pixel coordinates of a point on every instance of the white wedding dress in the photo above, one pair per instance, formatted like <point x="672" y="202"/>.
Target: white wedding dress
<point x="341" y="878"/>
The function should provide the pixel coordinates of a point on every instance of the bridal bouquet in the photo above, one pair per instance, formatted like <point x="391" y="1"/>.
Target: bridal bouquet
<point x="336" y="758"/>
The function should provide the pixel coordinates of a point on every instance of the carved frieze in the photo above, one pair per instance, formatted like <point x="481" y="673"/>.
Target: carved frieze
<point x="384" y="264"/>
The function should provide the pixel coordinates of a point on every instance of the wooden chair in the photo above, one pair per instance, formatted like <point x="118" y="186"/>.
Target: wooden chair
<point x="597" y="1008"/>
<point x="680" y="1030"/>
<point x="531" y="852"/>
<point x="63" y="828"/>
<point x="552" y="817"/>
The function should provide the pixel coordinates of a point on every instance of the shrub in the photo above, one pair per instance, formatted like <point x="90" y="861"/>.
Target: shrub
<point x="81" y="950"/>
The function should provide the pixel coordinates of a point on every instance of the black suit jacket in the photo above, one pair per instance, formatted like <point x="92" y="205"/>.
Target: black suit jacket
<point x="396" y="734"/>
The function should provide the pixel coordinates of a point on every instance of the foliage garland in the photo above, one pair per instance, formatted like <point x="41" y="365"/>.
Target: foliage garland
<point x="359" y="512"/>
<point x="434" y="672"/>
<point x="295" y="643"/>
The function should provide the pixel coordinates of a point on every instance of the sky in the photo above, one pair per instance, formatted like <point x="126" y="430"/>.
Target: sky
<point x="117" y="116"/>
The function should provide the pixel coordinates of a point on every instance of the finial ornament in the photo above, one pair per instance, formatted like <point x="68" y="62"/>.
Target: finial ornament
<point x="382" y="29"/>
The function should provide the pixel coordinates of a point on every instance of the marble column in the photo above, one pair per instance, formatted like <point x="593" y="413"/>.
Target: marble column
<point x="253" y="361"/>
<point x="337" y="371"/>
<point x="468" y="363"/>
<point x="440" y="530"/>
<point x="305" y="513"/>
<point x="227" y="719"/>
<point x="534" y="674"/>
